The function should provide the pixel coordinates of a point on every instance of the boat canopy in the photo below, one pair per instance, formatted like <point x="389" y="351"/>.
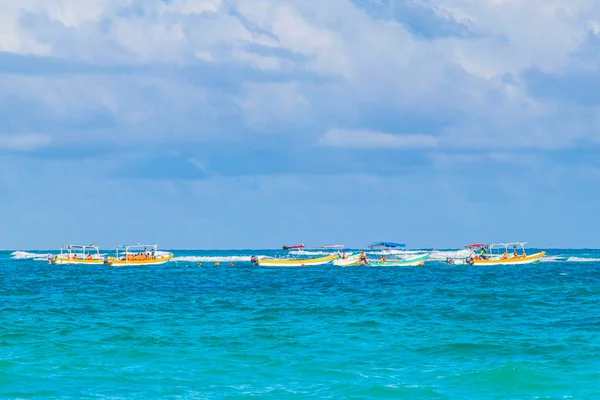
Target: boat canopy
<point x="140" y="247"/>
<point x="507" y="244"/>
<point x="476" y="245"/>
<point x="331" y="246"/>
<point x="81" y="247"/>
<point x="385" y="245"/>
<point x="297" y="246"/>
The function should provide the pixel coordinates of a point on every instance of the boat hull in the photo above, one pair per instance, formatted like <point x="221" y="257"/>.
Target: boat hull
<point x="113" y="262"/>
<point x="70" y="261"/>
<point x="282" y="262"/>
<point x="351" y="260"/>
<point x="512" y="260"/>
<point x="409" y="262"/>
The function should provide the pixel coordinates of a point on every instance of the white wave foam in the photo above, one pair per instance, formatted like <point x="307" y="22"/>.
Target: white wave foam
<point x="582" y="259"/>
<point x="23" y="255"/>
<point x="442" y="255"/>
<point x="553" y="258"/>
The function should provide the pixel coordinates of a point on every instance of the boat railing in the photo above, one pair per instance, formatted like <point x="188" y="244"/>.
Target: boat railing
<point x="85" y="250"/>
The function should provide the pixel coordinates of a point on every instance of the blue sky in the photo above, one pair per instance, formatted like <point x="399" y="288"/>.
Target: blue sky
<point x="256" y="123"/>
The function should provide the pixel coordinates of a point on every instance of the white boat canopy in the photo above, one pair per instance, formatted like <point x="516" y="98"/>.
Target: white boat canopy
<point x="138" y="248"/>
<point x="507" y="245"/>
<point x="85" y="249"/>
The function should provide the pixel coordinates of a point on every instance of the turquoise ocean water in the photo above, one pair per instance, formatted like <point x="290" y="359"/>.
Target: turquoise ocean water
<point x="186" y="331"/>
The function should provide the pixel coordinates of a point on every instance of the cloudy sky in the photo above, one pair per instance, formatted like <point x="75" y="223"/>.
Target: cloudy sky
<point x="257" y="123"/>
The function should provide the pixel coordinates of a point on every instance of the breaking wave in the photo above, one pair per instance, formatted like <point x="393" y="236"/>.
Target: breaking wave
<point x="25" y="255"/>
<point x="582" y="259"/>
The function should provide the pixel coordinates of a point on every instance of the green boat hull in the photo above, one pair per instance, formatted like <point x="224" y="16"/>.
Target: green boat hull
<point x="409" y="262"/>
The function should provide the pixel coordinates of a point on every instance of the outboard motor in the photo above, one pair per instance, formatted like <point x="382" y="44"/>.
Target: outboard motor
<point x="254" y="260"/>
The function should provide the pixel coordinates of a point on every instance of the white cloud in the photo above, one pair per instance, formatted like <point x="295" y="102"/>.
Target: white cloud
<point x="445" y="161"/>
<point x="189" y="7"/>
<point x="266" y="103"/>
<point x="516" y="35"/>
<point x="24" y="142"/>
<point x="369" y="139"/>
<point x="378" y="63"/>
<point x="510" y="35"/>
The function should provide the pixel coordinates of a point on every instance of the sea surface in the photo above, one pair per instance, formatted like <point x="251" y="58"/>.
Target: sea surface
<point x="189" y="331"/>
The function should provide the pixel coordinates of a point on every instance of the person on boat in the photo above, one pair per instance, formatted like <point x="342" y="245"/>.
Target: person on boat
<point x="483" y="253"/>
<point x="74" y="256"/>
<point x="515" y="255"/>
<point x="363" y="259"/>
<point x="505" y="256"/>
<point x="89" y="256"/>
<point x="383" y="259"/>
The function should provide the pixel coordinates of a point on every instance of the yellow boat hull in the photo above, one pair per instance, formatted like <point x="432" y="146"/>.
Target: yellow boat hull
<point x="70" y="261"/>
<point x="278" y="262"/>
<point x="512" y="260"/>
<point x="114" y="262"/>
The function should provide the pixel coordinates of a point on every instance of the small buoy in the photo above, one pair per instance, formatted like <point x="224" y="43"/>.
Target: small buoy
<point x="217" y="264"/>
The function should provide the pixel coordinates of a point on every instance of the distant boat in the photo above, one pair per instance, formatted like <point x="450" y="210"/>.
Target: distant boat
<point x="293" y="262"/>
<point x="78" y="254"/>
<point x="139" y="255"/>
<point x="395" y="260"/>
<point x="331" y="246"/>
<point x="347" y="260"/>
<point x="416" y="261"/>
<point x="296" y="246"/>
<point x="497" y="254"/>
